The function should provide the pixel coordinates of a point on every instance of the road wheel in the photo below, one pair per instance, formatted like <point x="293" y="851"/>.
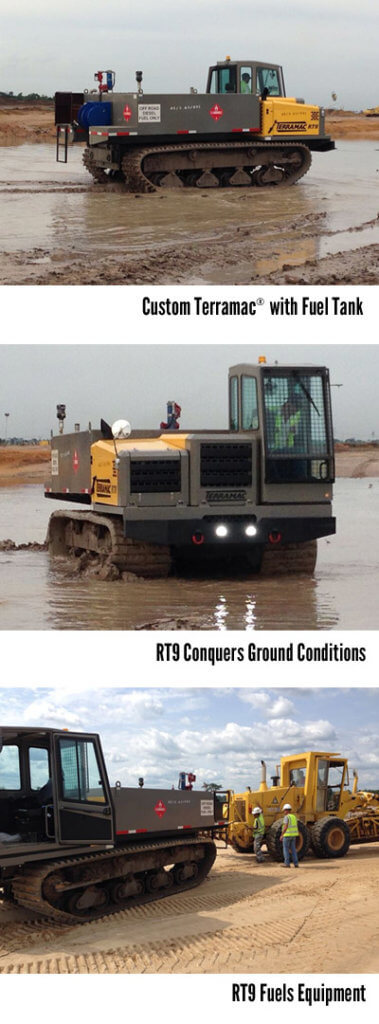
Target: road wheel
<point x="330" y="837"/>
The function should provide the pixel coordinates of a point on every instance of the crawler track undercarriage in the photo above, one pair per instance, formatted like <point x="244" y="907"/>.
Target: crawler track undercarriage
<point x="72" y="533"/>
<point x="96" y="885"/>
<point x="209" y="165"/>
<point x="76" y="532"/>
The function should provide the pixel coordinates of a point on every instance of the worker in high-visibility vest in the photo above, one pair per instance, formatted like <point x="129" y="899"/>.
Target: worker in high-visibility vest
<point x="287" y="424"/>
<point x="290" y="831"/>
<point x="259" y="829"/>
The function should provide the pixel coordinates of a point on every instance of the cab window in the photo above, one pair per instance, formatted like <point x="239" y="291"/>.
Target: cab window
<point x="38" y="767"/>
<point x="297" y="776"/>
<point x="10" y="777"/>
<point x="234" y="417"/>
<point x="223" y="80"/>
<point x="249" y="403"/>
<point x="268" y="78"/>
<point x="80" y="772"/>
<point x="245" y="80"/>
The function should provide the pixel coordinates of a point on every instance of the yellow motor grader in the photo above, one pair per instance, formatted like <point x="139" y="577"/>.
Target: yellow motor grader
<point x="331" y="816"/>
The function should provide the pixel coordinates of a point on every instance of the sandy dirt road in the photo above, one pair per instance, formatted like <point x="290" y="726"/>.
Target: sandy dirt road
<point x="323" y="918"/>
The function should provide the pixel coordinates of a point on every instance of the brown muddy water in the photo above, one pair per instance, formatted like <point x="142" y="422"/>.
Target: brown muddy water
<point x="39" y="593"/>
<point x="48" y="208"/>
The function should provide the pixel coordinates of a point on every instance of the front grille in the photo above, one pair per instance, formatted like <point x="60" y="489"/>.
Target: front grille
<point x="154" y="476"/>
<point x="225" y="465"/>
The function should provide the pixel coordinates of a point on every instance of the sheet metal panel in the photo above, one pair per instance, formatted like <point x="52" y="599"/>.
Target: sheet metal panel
<point x="159" y="810"/>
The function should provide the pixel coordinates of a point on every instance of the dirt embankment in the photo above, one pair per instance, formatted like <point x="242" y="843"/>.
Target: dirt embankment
<point x="21" y="464"/>
<point x="26" y="122"/>
<point x="34" y="122"/>
<point x="321" y="919"/>
<point x="360" y="461"/>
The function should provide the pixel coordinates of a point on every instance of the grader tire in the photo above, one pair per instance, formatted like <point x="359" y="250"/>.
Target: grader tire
<point x="330" y="837"/>
<point x="242" y="849"/>
<point x="275" y="846"/>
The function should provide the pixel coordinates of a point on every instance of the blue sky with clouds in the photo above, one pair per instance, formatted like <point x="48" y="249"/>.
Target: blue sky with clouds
<point x="220" y="734"/>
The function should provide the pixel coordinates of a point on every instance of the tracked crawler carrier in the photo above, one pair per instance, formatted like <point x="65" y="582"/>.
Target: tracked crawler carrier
<point x="257" y="495"/>
<point x="73" y="847"/>
<point x="330" y="816"/>
<point x="243" y="131"/>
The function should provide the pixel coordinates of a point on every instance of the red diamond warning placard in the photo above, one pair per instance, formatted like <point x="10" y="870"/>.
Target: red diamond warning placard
<point x="127" y="113"/>
<point x="75" y="461"/>
<point x="216" y="112"/>
<point x="160" y="809"/>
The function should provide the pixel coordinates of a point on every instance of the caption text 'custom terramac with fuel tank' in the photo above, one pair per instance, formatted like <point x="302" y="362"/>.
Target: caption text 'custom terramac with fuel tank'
<point x="242" y="131"/>
<point x="258" y="494"/>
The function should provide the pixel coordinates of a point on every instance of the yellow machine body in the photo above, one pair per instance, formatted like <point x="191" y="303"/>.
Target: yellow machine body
<point x="104" y="457"/>
<point x="316" y="784"/>
<point x="287" y="117"/>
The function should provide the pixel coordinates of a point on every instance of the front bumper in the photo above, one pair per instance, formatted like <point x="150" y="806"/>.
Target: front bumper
<point x="273" y="531"/>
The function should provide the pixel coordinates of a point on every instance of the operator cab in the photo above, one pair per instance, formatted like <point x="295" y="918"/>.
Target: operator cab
<point x="25" y="787"/>
<point x="289" y="410"/>
<point x="246" y="77"/>
<point x="53" y="788"/>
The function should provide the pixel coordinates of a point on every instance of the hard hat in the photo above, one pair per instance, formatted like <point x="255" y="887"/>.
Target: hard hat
<point x="287" y="807"/>
<point x="257" y="810"/>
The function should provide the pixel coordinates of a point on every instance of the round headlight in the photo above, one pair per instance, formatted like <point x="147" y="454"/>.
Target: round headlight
<point x="221" y="530"/>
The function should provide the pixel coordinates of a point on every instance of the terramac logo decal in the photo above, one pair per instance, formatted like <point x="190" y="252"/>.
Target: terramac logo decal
<point x="103" y="488"/>
<point x="225" y="495"/>
<point x="291" y="126"/>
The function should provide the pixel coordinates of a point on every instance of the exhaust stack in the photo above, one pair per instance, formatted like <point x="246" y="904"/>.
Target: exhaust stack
<point x="263" y="785"/>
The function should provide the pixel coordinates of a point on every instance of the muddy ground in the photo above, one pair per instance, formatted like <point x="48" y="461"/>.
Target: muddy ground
<point x="21" y="464"/>
<point x="321" y="919"/>
<point x="67" y="230"/>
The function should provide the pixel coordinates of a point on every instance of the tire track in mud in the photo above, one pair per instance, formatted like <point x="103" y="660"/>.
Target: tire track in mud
<point x="14" y="935"/>
<point x="210" y="950"/>
<point x="323" y="919"/>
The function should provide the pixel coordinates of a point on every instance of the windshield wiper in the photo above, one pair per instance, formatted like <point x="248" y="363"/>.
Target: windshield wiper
<point x="305" y="390"/>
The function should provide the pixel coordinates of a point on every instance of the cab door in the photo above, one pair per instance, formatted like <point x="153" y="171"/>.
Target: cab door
<point x="82" y="792"/>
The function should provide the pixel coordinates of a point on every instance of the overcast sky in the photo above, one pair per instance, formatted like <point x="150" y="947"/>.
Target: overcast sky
<point x="134" y="382"/>
<point x="324" y="47"/>
<point x="220" y="735"/>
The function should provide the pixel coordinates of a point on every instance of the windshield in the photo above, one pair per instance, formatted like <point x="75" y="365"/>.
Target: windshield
<point x="296" y="427"/>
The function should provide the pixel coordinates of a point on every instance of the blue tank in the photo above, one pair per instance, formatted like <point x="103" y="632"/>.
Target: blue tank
<point x="91" y="113"/>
